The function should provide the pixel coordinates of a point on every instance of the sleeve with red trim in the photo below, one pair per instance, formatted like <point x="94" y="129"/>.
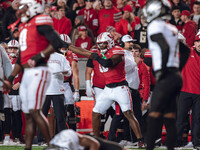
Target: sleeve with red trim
<point x="43" y="20"/>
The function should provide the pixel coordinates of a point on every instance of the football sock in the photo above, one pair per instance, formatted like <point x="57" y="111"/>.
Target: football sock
<point x="7" y="126"/>
<point x="153" y="127"/>
<point x="170" y="125"/>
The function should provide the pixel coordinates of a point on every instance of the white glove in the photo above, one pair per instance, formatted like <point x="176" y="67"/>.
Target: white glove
<point x="76" y="96"/>
<point x="89" y="90"/>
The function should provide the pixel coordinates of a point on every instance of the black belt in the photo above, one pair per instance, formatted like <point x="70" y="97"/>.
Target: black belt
<point x="172" y="69"/>
<point x="113" y="85"/>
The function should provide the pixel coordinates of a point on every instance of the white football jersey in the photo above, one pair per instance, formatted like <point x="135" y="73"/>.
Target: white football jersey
<point x="57" y="64"/>
<point x="170" y="33"/>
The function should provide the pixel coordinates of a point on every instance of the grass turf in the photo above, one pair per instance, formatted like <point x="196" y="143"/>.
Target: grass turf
<point x="20" y="147"/>
<point x="42" y="147"/>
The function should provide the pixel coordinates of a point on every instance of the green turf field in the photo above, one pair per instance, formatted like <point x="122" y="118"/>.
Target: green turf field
<point x="34" y="148"/>
<point x="42" y="147"/>
<point x="20" y="148"/>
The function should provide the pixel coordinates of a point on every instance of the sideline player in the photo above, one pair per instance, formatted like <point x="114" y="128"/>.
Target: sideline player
<point x="35" y="38"/>
<point x="116" y="86"/>
<point x="164" y="46"/>
<point x="97" y="86"/>
<point x="71" y="92"/>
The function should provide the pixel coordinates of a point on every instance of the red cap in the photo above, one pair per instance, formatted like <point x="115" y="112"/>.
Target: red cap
<point x="186" y="13"/>
<point x="128" y="8"/>
<point x="82" y="28"/>
<point x="197" y="38"/>
<point x="53" y="8"/>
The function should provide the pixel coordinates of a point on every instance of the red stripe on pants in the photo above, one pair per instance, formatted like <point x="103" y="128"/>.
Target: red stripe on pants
<point x="39" y="89"/>
<point x="43" y="88"/>
<point x="129" y="94"/>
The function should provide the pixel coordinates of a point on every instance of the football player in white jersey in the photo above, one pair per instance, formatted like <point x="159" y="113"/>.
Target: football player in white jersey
<point x="164" y="46"/>
<point x="70" y="140"/>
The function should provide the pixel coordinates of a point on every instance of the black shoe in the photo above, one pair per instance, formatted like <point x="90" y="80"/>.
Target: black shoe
<point x="196" y="148"/>
<point x="158" y="142"/>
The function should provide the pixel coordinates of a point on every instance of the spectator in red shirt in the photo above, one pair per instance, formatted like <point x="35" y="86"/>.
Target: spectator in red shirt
<point x="63" y="3"/>
<point x="79" y="21"/>
<point x="62" y="24"/>
<point x="144" y="86"/>
<point x="189" y="29"/>
<point x="128" y="22"/>
<point x="190" y="95"/>
<point x="108" y="16"/>
<point x="84" y="41"/>
<point x="90" y="16"/>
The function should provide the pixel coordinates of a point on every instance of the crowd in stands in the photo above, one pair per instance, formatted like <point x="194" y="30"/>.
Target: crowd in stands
<point x="83" y="21"/>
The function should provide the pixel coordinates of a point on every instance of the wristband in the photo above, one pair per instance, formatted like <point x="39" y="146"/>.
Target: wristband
<point x="76" y="90"/>
<point x="11" y="78"/>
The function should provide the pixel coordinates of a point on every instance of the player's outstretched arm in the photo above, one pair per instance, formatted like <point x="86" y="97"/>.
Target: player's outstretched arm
<point x="80" y="51"/>
<point x="88" y="142"/>
<point x="111" y="62"/>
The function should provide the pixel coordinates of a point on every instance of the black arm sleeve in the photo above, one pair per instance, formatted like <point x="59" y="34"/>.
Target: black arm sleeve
<point x="90" y="63"/>
<point x="184" y="54"/>
<point x="148" y="61"/>
<point x="52" y="36"/>
<point x="159" y="38"/>
<point x="104" y="62"/>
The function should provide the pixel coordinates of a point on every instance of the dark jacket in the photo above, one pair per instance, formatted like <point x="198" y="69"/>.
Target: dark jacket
<point x="9" y="18"/>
